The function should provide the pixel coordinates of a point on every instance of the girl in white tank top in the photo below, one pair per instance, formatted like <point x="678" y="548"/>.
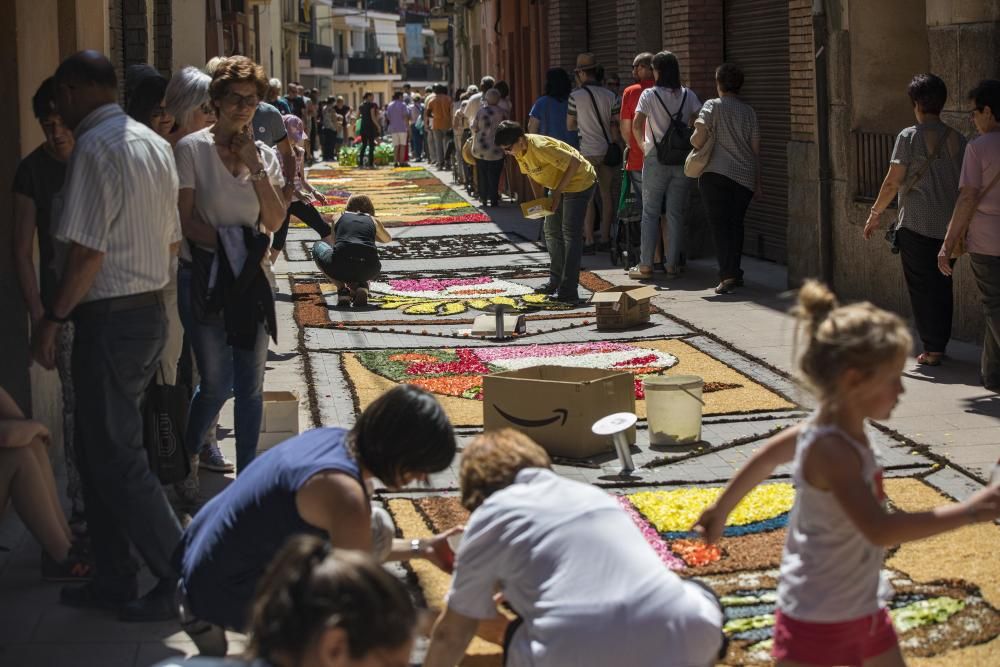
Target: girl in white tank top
<point x="830" y="592"/>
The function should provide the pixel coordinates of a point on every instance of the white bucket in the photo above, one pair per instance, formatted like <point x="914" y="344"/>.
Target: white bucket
<point x="673" y="408"/>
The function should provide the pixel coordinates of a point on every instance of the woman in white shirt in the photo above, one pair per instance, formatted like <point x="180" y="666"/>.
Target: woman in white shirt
<point x="665" y="103"/>
<point x="230" y="192"/>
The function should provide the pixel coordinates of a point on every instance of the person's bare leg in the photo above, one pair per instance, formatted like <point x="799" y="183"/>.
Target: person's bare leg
<point x="41" y="454"/>
<point x="22" y="481"/>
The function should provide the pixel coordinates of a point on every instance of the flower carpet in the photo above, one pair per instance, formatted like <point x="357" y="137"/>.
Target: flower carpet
<point x="434" y="247"/>
<point x="435" y="282"/>
<point x="402" y="196"/>
<point x="945" y="613"/>
<point x="455" y="374"/>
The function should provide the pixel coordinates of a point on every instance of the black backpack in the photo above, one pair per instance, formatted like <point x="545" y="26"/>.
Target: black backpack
<point x="675" y="144"/>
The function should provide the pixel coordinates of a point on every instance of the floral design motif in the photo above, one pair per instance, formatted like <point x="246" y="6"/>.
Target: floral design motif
<point x="453" y="296"/>
<point x="673" y="512"/>
<point x="460" y="372"/>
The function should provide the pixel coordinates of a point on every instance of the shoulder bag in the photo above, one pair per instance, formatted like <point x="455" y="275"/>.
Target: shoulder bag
<point x="613" y="156"/>
<point x="675" y="144"/>
<point x="698" y="159"/>
<point x="164" y="417"/>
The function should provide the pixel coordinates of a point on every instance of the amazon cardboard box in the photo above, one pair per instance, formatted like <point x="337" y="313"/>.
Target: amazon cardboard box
<point x="623" y="306"/>
<point x="557" y="405"/>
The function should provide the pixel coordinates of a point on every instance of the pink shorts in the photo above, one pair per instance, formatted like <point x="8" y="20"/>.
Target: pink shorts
<point x="833" y="644"/>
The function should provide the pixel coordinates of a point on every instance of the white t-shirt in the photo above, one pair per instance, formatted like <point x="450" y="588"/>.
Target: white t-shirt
<point x="570" y="562"/>
<point x="220" y="198"/>
<point x="592" y="141"/>
<point x="657" y="120"/>
<point x="472" y="108"/>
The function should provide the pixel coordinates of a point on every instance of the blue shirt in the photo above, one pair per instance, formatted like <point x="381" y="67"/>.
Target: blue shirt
<point x="235" y="535"/>
<point x="551" y="114"/>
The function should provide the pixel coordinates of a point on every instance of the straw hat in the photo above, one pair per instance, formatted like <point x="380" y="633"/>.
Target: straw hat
<point x="585" y="61"/>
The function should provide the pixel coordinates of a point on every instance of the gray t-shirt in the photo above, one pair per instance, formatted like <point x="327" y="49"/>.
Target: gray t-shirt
<point x="734" y="125"/>
<point x="267" y="125"/>
<point x="927" y="206"/>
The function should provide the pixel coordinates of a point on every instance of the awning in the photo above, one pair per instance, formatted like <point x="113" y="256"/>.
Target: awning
<point x="386" y="36"/>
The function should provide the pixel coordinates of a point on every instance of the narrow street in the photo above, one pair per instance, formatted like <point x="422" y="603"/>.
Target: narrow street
<point x="447" y="263"/>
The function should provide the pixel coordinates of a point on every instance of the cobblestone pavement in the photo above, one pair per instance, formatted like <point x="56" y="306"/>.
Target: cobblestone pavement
<point x="945" y="427"/>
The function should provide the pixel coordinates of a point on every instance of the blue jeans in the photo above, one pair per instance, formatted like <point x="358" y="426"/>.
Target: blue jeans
<point x="226" y="371"/>
<point x="115" y="355"/>
<point x="564" y="240"/>
<point x="417" y="144"/>
<point x="659" y="181"/>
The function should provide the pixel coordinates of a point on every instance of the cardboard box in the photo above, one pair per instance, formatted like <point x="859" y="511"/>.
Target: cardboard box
<point x="557" y="406"/>
<point x="486" y="325"/>
<point x="622" y="307"/>
<point x="269" y="439"/>
<point x="536" y="208"/>
<point x="281" y="412"/>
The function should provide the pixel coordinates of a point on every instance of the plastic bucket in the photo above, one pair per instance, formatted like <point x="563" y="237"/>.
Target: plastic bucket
<point x="673" y="408"/>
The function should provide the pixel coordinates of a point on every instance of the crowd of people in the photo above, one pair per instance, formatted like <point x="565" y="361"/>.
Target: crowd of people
<point x="156" y="226"/>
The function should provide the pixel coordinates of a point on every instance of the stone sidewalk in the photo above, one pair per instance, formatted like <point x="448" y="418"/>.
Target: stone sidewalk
<point x="946" y="415"/>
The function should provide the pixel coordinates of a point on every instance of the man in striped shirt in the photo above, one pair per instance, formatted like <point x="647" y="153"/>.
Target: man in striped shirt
<point x="120" y="221"/>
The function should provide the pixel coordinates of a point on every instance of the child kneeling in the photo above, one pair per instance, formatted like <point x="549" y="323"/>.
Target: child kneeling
<point x="351" y="258"/>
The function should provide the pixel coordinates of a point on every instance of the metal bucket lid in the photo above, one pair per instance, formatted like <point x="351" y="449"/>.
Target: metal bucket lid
<point x="671" y="382"/>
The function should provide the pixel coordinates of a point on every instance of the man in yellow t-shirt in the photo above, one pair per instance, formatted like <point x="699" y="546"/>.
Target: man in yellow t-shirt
<point x="554" y="165"/>
<point x="439" y="112"/>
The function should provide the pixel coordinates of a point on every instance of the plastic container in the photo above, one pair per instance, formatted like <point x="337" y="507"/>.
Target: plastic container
<point x="673" y="408"/>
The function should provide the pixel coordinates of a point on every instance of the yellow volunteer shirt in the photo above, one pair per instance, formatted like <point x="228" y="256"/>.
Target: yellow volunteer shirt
<point x="547" y="159"/>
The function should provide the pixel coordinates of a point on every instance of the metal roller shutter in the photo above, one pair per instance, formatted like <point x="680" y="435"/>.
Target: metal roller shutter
<point x="756" y="36"/>
<point x="602" y="33"/>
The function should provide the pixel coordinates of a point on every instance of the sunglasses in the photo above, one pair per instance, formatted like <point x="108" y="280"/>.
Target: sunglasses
<point x="237" y="100"/>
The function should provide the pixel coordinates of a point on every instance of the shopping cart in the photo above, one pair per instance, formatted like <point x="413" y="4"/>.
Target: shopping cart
<point x="625" y="235"/>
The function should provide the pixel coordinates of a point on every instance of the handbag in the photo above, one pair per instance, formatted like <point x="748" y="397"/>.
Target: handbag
<point x="613" y="156"/>
<point x="698" y="159"/>
<point x="164" y="420"/>
<point x="673" y="147"/>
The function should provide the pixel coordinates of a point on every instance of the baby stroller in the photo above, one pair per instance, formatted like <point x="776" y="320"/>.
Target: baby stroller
<point x="626" y="234"/>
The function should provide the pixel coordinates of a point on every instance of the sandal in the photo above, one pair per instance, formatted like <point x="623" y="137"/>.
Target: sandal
<point x="636" y="273"/>
<point x="930" y="358"/>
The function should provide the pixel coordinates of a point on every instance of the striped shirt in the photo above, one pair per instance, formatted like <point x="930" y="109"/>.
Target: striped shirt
<point x="734" y="124"/>
<point x="120" y="199"/>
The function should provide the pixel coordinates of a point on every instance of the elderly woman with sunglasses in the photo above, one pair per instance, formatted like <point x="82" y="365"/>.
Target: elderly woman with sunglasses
<point x="230" y="195"/>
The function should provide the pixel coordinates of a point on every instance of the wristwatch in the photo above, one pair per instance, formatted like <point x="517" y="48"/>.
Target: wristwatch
<point x="258" y="175"/>
<point x="416" y="547"/>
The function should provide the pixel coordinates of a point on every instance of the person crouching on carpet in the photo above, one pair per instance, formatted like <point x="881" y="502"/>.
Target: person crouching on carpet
<point x="317" y="483"/>
<point x="567" y="559"/>
<point x="351" y="259"/>
<point x="831" y="587"/>
<point x="570" y="178"/>
<point x="322" y="606"/>
<point x="301" y="194"/>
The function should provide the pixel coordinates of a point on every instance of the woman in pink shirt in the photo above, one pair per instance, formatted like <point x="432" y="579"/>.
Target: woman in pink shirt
<point x="977" y="220"/>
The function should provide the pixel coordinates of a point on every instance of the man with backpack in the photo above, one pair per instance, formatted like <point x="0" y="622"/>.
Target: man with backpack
<point x="662" y="125"/>
<point x="594" y="111"/>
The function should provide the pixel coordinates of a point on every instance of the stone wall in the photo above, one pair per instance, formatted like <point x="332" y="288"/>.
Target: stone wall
<point x="695" y="32"/>
<point x="567" y="23"/>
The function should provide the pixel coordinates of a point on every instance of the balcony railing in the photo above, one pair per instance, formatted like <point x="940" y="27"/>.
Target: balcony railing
<point x="423" y="72"/>
<point x="390" y="6"/>
<point x="321" y="56"/>
<point x="873" y="151"/>
<point x="366" y="66"/>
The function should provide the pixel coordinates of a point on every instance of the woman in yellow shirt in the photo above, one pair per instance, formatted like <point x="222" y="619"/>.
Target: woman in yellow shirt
<point x="558" y="167"/>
